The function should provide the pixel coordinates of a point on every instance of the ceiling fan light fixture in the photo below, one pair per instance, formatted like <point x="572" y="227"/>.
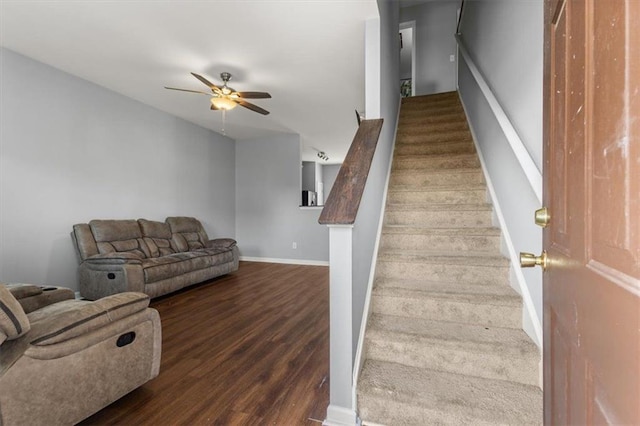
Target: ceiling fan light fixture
<point x="223" y="103"/>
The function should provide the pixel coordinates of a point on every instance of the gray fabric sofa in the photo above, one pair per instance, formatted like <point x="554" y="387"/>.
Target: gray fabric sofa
<point x="62" y="359"/>
<point x="147" y="256"/>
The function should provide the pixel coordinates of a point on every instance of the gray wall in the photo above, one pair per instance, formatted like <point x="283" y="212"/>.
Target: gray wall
<point x="434" y="38"/>
<point x="268" y="219"/>
<point x="308" y="176"/>
<point x="72" y="151"/>
<point x="366" y="226"/>
<point x="505" y="39"/>
<point x="329" y="175"/>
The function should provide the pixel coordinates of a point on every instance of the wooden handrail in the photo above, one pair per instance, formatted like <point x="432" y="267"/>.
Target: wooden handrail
<point x="342" y="204"/>
<point x="460" y="17"/>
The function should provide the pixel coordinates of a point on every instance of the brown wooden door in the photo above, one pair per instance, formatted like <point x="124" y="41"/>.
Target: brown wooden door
<point x="592" y="189"/>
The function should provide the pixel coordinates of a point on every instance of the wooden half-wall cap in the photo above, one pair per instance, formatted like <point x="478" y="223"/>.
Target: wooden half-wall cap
<point x="341" y="207"/>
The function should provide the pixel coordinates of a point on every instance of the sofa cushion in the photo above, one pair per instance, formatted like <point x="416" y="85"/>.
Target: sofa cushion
<point x="157" y="237"/>
<point x="188" y="233"/>
<point x="118" y="236"/>
<point x="161" y="268"/>
<point x="13" y="321"/>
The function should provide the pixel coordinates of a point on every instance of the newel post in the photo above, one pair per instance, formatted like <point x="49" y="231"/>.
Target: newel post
<point x="341" y="405"/>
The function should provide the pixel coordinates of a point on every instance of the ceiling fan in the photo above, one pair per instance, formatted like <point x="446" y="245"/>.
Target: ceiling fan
<point x="225" y="98"/>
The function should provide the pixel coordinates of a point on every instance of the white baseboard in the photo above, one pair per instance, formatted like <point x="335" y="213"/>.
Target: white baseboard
<point x="340" y="416"/>
<point x="528" y="306"/>
<point x="286" y="261"/>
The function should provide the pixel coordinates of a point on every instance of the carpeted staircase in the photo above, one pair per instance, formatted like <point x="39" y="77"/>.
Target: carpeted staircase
<point x="444" y="342"/>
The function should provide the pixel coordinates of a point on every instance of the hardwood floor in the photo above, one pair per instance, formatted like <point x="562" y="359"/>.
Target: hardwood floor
<point x="250" y="348"/>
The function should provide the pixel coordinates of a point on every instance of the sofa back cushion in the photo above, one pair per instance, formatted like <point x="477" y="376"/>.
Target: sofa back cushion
<point x="118" y="236"/>
<point x="83" y="240"/>
<point x="13" y="321"/>
<point x="187" y="233"/>
<point x="157" y="237"/>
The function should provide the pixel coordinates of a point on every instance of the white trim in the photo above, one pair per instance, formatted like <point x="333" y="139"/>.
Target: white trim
<point x="340" y="416"/>
<point x="412" y="25"/>
<point x="524" y="158"/>
<point x="341" y="409"/>
<point x="287" y="261"/>
<point x="528" y="306"/>
<point x="372" y="273"/>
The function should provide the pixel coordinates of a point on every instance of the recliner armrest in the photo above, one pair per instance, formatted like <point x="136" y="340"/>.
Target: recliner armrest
<point x="115" y="258"/>
<point x="221" y="243"/>
<point x="32" y="297"/>
<point x="69" y="319"/>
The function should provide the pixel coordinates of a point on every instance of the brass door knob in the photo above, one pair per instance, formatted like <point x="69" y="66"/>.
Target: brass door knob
<point x="542" y="217"/>
<point x="529" y="260"/>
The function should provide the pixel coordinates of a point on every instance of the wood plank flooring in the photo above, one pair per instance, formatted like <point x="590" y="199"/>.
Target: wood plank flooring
<point x="250" y="348"/>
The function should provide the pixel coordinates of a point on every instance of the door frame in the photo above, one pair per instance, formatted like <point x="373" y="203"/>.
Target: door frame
<point x="412" y="26"/>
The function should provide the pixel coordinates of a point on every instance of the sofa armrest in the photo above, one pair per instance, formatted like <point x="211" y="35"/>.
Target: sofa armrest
<point x="221" y="243"/>
<point x="76" y="318"/>
<point x="32" y="297"/>
<point x="116" y="258"/>
<point x="21" y="291"/>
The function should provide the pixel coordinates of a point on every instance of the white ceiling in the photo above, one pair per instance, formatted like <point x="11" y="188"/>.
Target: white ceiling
<point x="308" y="54"/>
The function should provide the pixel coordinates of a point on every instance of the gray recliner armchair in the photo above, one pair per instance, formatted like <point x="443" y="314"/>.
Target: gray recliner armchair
<point x="62" y="359"/>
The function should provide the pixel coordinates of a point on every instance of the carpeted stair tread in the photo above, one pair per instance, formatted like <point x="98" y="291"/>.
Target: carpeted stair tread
<point x="508" y="339"/>
<point x="442" y="147"/>
<point x="437" y="177"/>
<point x="416" y="230"/>
<point x="444" y="287"/>
<point x="400" y="237"/>
<point x="453" y="258"/>
<point x="422" y="119"/>
<point x="412" y="188"/>
<point x="477" y="299"/>
<point x="450" y="136"/>
<point x="437" y="161"/>
<point x="477" y="350"/>
<point x="391" y="393"/>
<point x="440" y="207"/>
<point x="424" y="128"/>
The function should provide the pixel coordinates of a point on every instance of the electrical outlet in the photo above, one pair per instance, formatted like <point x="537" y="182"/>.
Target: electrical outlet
<point x="452" y="58"/>
<point x="294" y="245"/>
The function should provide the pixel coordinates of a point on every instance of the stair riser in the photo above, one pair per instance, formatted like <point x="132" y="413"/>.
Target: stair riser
<point x="436" y="163"/>
<point x="448" y="310"/>
<point x="471" y="274"/>
<point x="452" y="243"/>
<point x="437" y="197"/>
<point x="456" y="147"/>
<point x="426" y="179"/>
<point x="439" y="219"/>
<point x="431" y="137"/>
<point x="487" y="363"/>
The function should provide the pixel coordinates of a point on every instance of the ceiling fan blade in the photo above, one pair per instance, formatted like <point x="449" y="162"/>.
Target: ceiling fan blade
<point x="187" y="90"/>
<point x="252" y="107"/>
<point x="205" y="81"/>
<point x="254" y="95"/>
